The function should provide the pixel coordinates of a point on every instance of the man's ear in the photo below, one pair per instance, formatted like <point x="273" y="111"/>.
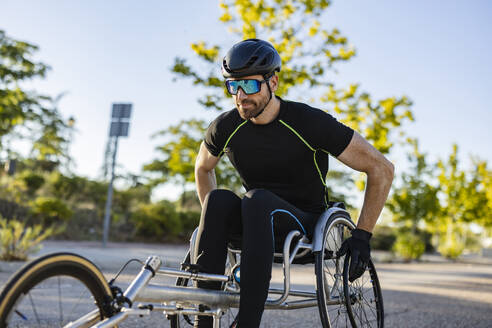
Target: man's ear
<point x="274" y="83"/>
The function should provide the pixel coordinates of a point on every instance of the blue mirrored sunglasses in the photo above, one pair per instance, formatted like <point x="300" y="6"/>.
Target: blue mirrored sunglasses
<point x="248" y="86"/>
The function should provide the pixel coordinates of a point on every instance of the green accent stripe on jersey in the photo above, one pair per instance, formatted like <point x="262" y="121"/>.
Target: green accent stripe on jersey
<point x="314" y="156"/>
<point x="297" y="134"/>
<point x="229" y="139"/>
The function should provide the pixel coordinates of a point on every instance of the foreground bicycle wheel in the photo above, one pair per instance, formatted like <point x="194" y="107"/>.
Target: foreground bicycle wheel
<point x="329" y="272"/>
<point x="363" y="298"/>
<point x="53" y="291"/>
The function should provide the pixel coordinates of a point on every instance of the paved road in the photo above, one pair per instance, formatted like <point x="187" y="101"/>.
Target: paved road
<point x="432" y="294"/>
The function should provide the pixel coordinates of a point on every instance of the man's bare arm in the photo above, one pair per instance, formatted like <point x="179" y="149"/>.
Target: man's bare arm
<point x="204" y="172"/>
<point x="363" y="157"/>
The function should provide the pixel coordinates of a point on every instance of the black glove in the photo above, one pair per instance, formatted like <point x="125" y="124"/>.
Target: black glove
<point x="357" y="247"/>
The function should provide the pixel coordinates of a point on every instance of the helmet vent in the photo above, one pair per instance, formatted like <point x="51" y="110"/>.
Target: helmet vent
<point x="266" y="60"/>
<point x="251" y="61"/>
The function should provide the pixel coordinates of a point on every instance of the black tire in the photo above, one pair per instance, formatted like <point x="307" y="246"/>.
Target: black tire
<point x="363" y="298"/>
<point x="329" y="272"/>
<point x="179" y="321"/>
<point x="183" y="320"/>
<point x="26" y="299"/>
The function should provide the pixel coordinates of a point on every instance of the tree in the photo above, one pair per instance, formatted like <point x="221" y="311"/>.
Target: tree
<point x="463" y="201"/>
<point x="414" y="203"/>
<point x="309" y="52"/>
<point x="26" y="114"/>
<point x="180" y="154"/>
<point x="415" y="200"/>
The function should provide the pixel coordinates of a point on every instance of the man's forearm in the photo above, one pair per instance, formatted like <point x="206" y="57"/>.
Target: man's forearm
<point x="377" y="189"/>
<point x="205" y="183"/>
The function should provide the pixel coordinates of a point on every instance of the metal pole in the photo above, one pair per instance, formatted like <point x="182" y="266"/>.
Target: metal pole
<point x="109" y="199"/>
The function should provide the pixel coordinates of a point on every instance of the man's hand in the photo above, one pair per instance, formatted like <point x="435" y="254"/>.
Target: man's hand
<point x="357" y="247"/>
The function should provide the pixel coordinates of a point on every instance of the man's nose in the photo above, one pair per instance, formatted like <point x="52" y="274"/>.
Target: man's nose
<point x="241" y="94"/>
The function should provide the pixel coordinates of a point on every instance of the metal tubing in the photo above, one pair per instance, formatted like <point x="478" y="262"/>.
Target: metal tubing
<point x="88" y="319"/>
<point x="172" y="309"/>
<point x="298" y="293"/>
<point x="142" y="278"/>
<point x="300" y="244"/>
<point x="113" y="321"/>
<point x="164" y="294"/>
<point x="293" y="305"/>
<point x="286" y="266"/>
<point x="194" y="276"/>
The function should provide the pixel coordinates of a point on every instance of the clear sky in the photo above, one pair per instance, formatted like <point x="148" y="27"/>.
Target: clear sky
<point x="435" y="52"/>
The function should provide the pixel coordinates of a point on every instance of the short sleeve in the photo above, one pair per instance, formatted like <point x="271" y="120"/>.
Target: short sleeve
<point x="212" y="139"/>
<point x="335" y="136"/>
<point x="323" y="131"/>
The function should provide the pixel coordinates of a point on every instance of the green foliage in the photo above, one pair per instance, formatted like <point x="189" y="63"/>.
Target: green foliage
<point x="309" y="51"/>
<point x="451" y="247"/>
<point x="415" y="201"/>
<point x="54" y="134"/>
<point x="17" y="240"/>
<point x="463" y="197"/>
<point x="160" y="221"/>
<point x="16" y="65"/>
<point x="32" y="180"/>
<point x="481" y="189"/>
<point x="50" y="210"/>
<point x="383" y="238"/>
<point x="409" y="246"/>
<point x="26" y="114"/>
<point x="179" y="156"/>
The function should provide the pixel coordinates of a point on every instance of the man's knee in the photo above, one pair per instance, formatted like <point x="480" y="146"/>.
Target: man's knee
<point x="254" y="205"/>
<point x="221" y="197"/>
<point x="256" y="196"/>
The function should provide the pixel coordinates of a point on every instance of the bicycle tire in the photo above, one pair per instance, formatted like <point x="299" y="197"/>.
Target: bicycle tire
<point x="329" y="272"/>
<point x="33" y="282"/>
<point x="175" y="320"/>
<point x="183" y="320"/>
<point x="360" y="295"/>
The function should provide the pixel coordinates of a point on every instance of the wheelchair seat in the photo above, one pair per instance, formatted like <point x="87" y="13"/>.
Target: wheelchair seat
<point x="307" y="258"/>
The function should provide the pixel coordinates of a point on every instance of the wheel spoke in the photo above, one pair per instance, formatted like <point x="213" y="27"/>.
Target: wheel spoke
<point x="59" y="302"/>
<point x="34" y="309"/>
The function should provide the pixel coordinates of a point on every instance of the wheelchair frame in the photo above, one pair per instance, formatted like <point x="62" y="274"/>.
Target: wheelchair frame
<point x="184" y="300"/>
<point x="140" y="290"/>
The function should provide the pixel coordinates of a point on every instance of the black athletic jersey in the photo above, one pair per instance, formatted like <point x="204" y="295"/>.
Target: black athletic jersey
<point x="288" y="156"/>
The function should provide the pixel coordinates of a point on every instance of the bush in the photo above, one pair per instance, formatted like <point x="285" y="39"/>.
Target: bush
<point x="409" y="246"/>
<point x="383" y="238"/>
<point x="50" y="210"/>
<point x="157" y="221"/>
<point x="17" y="240"/>
<point x="451" y="248"/>
<point x="32" y="181"/>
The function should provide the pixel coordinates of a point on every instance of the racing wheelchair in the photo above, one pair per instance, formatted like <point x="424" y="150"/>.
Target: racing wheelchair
<point x="33" y="296"/>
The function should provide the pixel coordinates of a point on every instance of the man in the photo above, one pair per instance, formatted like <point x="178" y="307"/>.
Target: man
<point x="279" y="149"/>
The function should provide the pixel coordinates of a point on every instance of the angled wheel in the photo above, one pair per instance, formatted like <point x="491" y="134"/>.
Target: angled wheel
<point x="183" y="320"/>
<point x="329" y="272"/>
<point x="179" y="321"/>
<point x="54" y="290"/>
<point x="363" y="298"/>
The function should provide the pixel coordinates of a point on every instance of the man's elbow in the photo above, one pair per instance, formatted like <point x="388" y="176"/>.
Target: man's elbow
<point x="383" y="170"/>
<point x="202" y="171"/>
<point x="389" y="171"/>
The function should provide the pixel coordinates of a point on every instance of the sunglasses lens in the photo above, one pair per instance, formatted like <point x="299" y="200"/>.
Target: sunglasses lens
<point x="248" y="86"/>
<point x="232" y="87"/>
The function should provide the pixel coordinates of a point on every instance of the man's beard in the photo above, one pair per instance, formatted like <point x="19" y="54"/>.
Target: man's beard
<point x="255" y="109"/>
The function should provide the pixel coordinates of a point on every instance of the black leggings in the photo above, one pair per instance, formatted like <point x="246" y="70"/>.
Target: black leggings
<point x="263" y="220"/>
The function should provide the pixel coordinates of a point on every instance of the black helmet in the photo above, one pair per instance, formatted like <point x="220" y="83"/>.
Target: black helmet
<point x="251" y="57"/>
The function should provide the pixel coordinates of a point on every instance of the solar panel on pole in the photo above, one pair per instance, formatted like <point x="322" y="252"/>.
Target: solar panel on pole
<point x="119" y="127"/>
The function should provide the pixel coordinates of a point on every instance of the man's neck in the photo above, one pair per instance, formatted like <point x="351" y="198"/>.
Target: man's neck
<point x="269" y="114"/>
